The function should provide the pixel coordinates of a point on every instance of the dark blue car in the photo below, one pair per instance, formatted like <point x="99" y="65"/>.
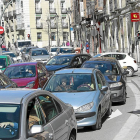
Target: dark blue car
<point x="113" y="73"/>
<point x="66" y="61"/>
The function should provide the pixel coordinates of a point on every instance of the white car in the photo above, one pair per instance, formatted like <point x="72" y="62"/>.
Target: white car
<point x="124" y="60"/>
<point x="16" y="58"/>
<point x="54" y="51"/>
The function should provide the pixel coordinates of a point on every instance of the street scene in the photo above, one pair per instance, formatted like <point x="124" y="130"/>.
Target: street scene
<point x="69" y="70"/>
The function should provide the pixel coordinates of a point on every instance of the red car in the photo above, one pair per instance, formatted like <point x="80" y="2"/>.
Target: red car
<point x="28" y="75"/>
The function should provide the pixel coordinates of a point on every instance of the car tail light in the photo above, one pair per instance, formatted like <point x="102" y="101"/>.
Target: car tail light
<point x="135" y="61"/>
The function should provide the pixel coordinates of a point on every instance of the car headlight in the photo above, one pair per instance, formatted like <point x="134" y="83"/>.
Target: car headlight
<point x="85" y="107"/>
<point x="30" y="84"/>
<point x="116" y="84"/>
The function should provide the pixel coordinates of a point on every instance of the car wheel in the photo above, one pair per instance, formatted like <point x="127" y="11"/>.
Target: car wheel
<point x="131" y="71"/>
<point x="98" y="124"/>
<point x="109" y="111"/>
<point x="72" y="137"/>
<point x="124" y="97"/>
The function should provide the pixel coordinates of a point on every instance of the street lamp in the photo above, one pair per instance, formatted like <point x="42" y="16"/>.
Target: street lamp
<point x="57" y="17"/>
<point x="69" y="13"/>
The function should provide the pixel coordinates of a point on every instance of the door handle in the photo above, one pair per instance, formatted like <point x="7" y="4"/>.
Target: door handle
<point x="66" y="122"/>
<point x="50" y="136"/>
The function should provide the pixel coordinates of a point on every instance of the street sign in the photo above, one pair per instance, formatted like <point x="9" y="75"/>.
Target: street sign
<point x="1" y="30"/>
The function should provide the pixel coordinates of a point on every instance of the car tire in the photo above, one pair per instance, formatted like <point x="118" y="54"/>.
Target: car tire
<point x="72" y="137"/>
<point x="131" y="71"/>
<point x="98" y="124"/>
<point x="124" y="97"/>
<point x="109" y="111"/>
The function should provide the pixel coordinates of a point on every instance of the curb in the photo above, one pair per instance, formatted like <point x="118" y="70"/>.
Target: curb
<point x="135" y="84"/>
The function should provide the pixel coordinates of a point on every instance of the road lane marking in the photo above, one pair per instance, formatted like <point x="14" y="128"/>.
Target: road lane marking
<point x="115" y="114"/>
<point x="132" y="125"/>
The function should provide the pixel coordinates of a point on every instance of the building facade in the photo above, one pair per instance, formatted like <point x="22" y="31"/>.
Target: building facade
<point x="45" y="23"/>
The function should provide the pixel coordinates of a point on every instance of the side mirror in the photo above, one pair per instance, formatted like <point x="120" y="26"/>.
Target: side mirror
<point x="35" y="129"/>
<point x="41" y="75"/>
<point x="104" y="88"/>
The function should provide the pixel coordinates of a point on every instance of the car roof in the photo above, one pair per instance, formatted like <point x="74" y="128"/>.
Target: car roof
<point x="112" y="53"/>
<point x="71" y="54"/>
<point x="39" y="49"/>
<point x="76" y="70"/>
<point x="14" y="96"/>
<point x="67" y="47"/>
<point x="24" y="63"/>
<point x="109" y="59"/>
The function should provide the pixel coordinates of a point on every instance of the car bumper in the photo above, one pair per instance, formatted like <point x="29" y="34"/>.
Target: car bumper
<point x="85" y="119"/>
<point x="117" y="95"/>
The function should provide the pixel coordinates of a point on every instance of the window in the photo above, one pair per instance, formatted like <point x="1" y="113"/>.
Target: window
<point x="39" y="36"/>
<point x="100" y="3"/>
<point x="39" y="69"/>
<point x="53" y="38"/>
<point x="65" y="36"/>
<point x="119" y="56"/>
<point x="107" y="55"/>
<point x="34" y="114"/>
<point x="99" y="81"/>
<point x="58" y="106"/>
<point x="48" y="107"/>
<point x="21" y="4"/>
<point x="84" y="58"/>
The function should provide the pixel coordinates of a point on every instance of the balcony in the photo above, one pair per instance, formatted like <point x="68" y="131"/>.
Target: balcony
<point x="38" y="10"/>
<point x="53" y="26"/>
<point x="65" y="25"/>
<point x="51" y="1"/>
<point x="10" y="14"/>
<point x="20" y="27"/>
<point x="53" y="11"/>
<point x="39" y="26"/>
<point x="64" y="11"/>
<point x="12" y="28"/>
<point x="62" y="1"/>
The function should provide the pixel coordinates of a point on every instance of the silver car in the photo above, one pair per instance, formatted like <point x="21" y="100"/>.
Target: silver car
<point x="35" y="115"/>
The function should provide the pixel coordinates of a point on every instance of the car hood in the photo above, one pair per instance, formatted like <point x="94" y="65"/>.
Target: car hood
<point x="41" y="57"/>
<point x="22" y="82"/>
<point x="76" y="99"/>
<point x="55" y="67"/>
<point x="112" y="78"/>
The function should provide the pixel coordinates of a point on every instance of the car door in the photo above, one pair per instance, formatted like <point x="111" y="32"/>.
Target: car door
<point x="35" y="117"/>
<point x="41" y="70"/>
<point x="55" y="115"/>
<point x="102" y="93"/>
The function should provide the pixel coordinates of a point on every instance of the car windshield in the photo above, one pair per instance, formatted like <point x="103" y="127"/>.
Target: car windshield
<point x="24" y="44"/>
<point x="23" y="71"/>
<point x="54" y="49"/>
<point x="9" y="113"/>
<point x="10" y="54"/>
<point x="66" y="50"/>
<point x="39" y="52"/>
<point x="70" y="83"/>
<point x="105" y="68"/>
<point x="98" y="55"/>
<point x="3" y="63"/>
<point x="60" y="60"/>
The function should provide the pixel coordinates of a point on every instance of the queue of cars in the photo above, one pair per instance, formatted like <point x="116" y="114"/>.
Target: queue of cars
<point x="77" y="91"/>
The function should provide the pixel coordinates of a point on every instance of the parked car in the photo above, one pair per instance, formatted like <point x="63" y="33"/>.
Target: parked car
<point x="35" y="115"/>
<point x="66" y="49"/>
<point x="54" y="51"/>
<point x="5" y="60"/>
<point x="113" y="73"/>
<point x="29" y="75"/>
<point x="124" y="59"/>
<point x="39" y="54"/>
<point x="5" y="82"/>
<point x="86" y="90"/>
<point x="66" y="61"/>
<point x="16" y="58"/>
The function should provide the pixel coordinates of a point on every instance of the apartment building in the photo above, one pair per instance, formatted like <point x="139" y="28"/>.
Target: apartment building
<point x="45" y="23"/>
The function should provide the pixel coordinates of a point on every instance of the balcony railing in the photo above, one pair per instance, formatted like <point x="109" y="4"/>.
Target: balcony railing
<point x="53" y="26"/>
<point x="20" y="27"/>
<point x="53" y="11"/>
<point x="64" y="11"/>
<point x="38" y="10"/>
<point x="39" y="26"/>
<point x="65" y="25"/>
<point x="10" y="14"/>
<point x="12" y="28"/>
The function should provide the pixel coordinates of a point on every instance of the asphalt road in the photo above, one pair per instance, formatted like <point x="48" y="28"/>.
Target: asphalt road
<point x="123" y="117"/>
